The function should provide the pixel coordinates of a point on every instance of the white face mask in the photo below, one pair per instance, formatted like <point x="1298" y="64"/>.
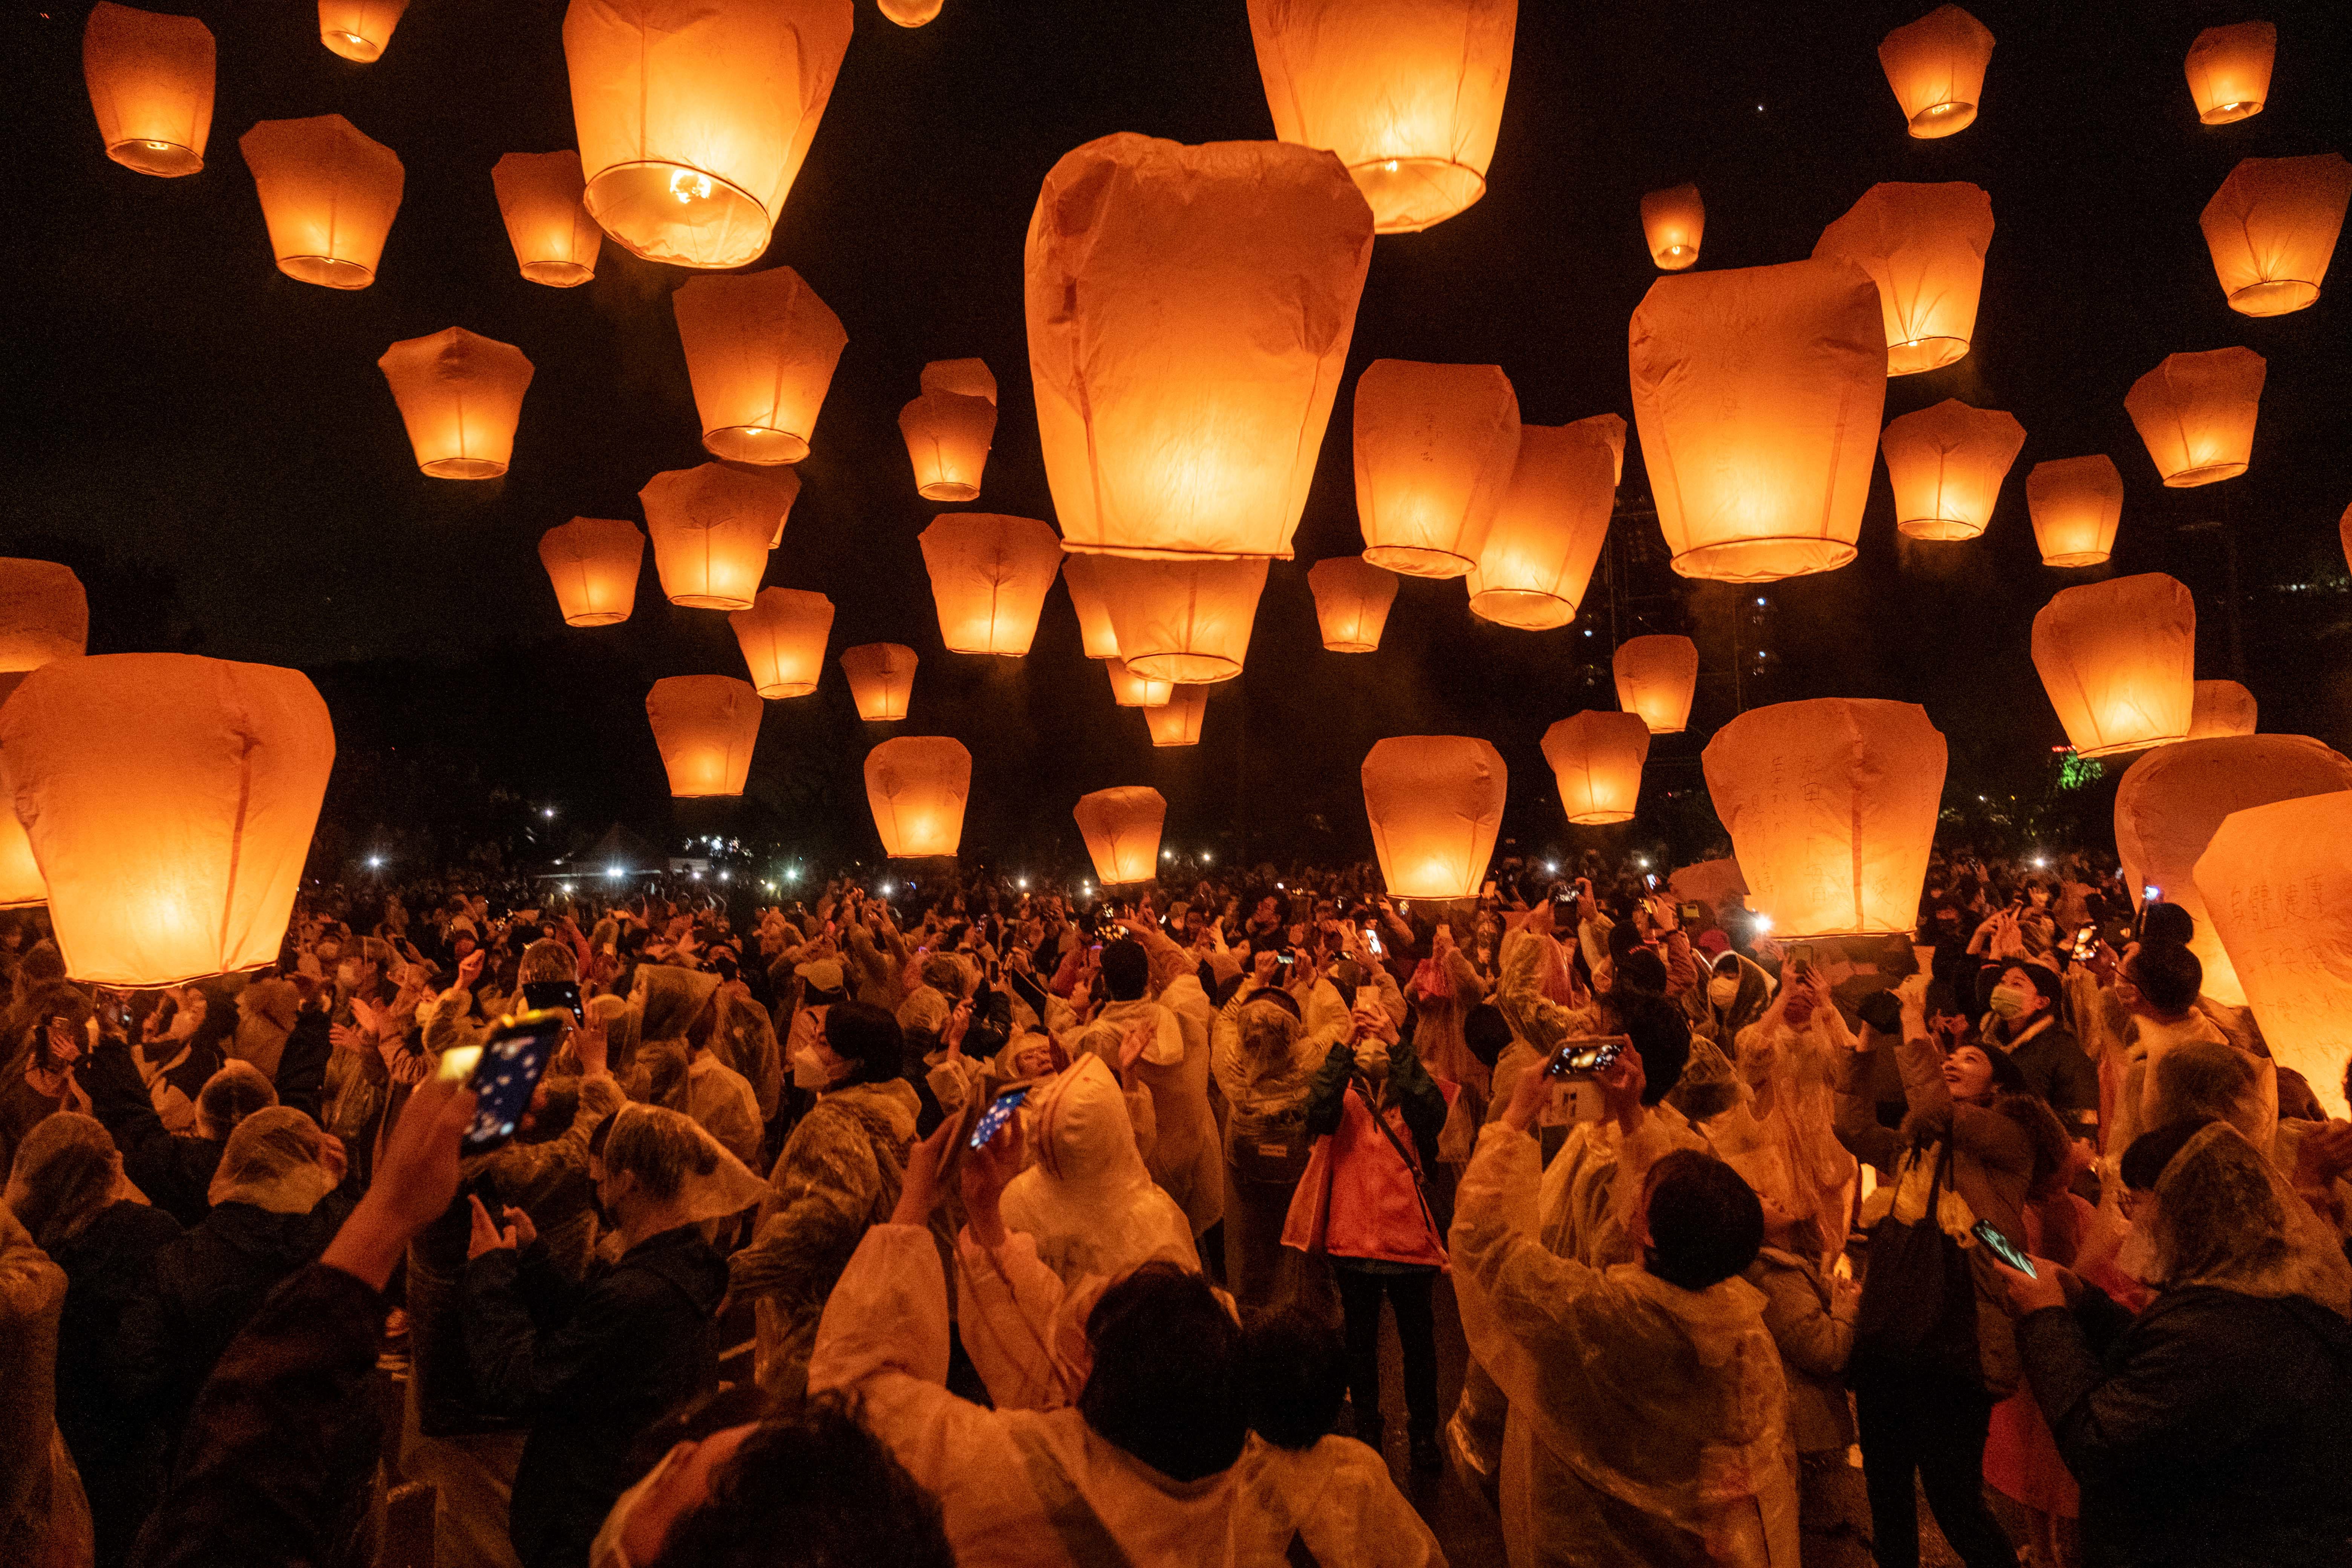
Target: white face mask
<point x="810" y="1072"/>
<point x="347" y="975"/>
<point x="606" y="1550"/>
<point x="1723" y="989"/>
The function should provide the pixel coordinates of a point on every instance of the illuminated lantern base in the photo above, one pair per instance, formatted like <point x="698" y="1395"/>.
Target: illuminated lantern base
<point x="1177" y="722"/>
<point x="683" y="215"/>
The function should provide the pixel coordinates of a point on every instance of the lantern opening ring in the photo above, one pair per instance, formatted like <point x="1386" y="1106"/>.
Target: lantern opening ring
<point x="648" y="191"/>
<point x="168" y="160"/>
<point x="1914" y="355"/>
<point x="947" y="489"/>
<point x="1718" y="562"/>
<point x="327" y="271"/>
<point x="2204" y="474"/>
<point x="1943" y="118"/>
<point x="2273" y="297"/>
<point x="762" y="444"/>
<point x="1416" y="192"/>
<point x="2236" y="110"/>
<point x="462" y="469"/>
<point x="1417" y="560"/>
<point x="1943" y="530"/>
<point x="557" y="274"/>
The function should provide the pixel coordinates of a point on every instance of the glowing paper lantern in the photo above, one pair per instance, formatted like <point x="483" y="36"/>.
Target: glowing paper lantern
<point x="329" y="195"/>
<point x="1186" y="621"/>
<point x="358" y="30"/>
<point x="1923" y="246"/>
<point x="1123" y="828"/>
<point x="1936" y="67"/>
<point x="460" y="396"/>
<point x="917" y="785"/>
<point x="1082" y="574"/>
<point x="882" y="680"/>
<point x="911" y="12"/>
<point x="2077" y="503"/>
<point x="1946" y="464"/>
<point x="949" y="428"/>
<point x="593" y="564"/>
<point x="170" y="802"/>
<point x="2119" y="661"/>
<point x="1129" y="689"/>
<point x="694" y="116"/>
<point x="1597" y="759"/>
<point x="2276" y="884"/>
<point x="1177" y="722"/>
<point x="705" y="726"/>
<point x="989" y="578"/>
<point x="1758" y="394"/>
<point x="2221" y="708"/>
<point x="712" y="528"/>
<point x="2272" y="229"/>
<point x="151" y="85"/>
<point x="2196" y="413"/>
<point x="1351" y="602"/>
<point x="1189" y="313"/>
<point x="20" y="874"/>
<point x="2229" y="71"/>
<point x="1409" y="93"/>
<point x="759" y="349"/>
<point x="44" y="614"/>
<point x="1610" y="429"/>
<point x="1435" y="803"/>
<point x="1538" y="557"/>
<point x="782" y="635"/>
<point x="1673" y="223"/>
<point x="1435" y="445"/>
<point x="1656" y="678"/>
<point x="555" y="241"/>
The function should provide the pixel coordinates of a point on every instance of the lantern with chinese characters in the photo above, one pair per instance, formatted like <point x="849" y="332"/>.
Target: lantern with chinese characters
<point x="460" y="396"/>
<point x="44" y="614"/>
<point x="358" y="30"/>
<point x="2119" y="661"/>
<point x="1081" y="574"/>
<point x="783" y="637"/>
<point x="555" y="241"/>
<point x="1946" y="465"/>
<point x="759" y="349"/>
<point x="2272" y="229"/>
<point x="1923" y="246"/>
<point x="694" y="116"/>
<point x="1672" y="223"/>
<point x="1129" y="689"/>
<point x="989" y="577"/>
<point x="2276" y="884"/>
<point x="1656" y="678"/>
<point x="2077" y="503"/>
<point x="1539" y="554"/>
<point x="1831" y="804"/>
<point x="2229" y="71"/>
<point x="2196" y="413"/>
<point x="1436" y="803"/>
<point x="882" y="680"/>
<point x="170" y="801"/>
<point x="917" y="785"/>
<point x="1597" y="759"/>
<point x="1435" y="445"/>
<point x="1121" y="827"/>
<point x="151" y="85"/>
<point x="1936" y="67"/>
<point x="593" y="564"/>
<point x="712" y="528"/>
<point x="328" y="194"/>
<point x="949" y="428"/>
<point x="705" y="726"/>
<point x="1177" y="722"/>
<point x="1189" y="313"/>
<point x="1351" y="602"/>
<point x="2221" y="708"/>
<point x="1186" y="621"/>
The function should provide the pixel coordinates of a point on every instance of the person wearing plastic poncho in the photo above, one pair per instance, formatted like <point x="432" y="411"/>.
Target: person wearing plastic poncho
<point x="1088" y="1203"/>
<point x="1780" y="1134"/>
<point x="678" y="1012"/>
<point x="1151" y="983"/>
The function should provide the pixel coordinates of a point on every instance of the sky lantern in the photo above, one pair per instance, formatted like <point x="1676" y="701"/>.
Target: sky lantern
<point x="1436" y="803"/>
<point x="1351" y="602"/>
<point x="1538" y="556"/>
<point x="2196" y="413"/>
<point x="44" y="614"/>
<point x="1923" y="246"/>
<point x="1186" y="621"/>
<point x="593" y="562"/>
<point x="1946" y="464"/>
<point x="2272" y="229"/>
<point x="2229" y="71"/>
<point x="1177" y="722"/>
<point x="555" y="241"/>
<point x="1082" y="575"/>
<point x="2077" y="503"/>
<point x="782" y="635"/>
<point x="705" y="726"/>
<point x="1596" y="758"/>
<point x="712" y="528"/>
<point x="949" y="428"/>
<point x="170" y="801"/>
<point x="882" y="680"/>
<point x="1609" y="427"/>
<point x="2119" y="661"/>
<point x="694" y="116"/>
<point x="759" y="349"/>
<point x="2276" y="884"/>
<point x="1758" y="394"/>
<point x="917" y="785"/>
<point x="1656" y="678"/>
<point x="1129" y="689"/>
<point x="911" y="12"/>
<point x="989" y="578"/>
<point x="1408" y="93"/>
<point x="460" y="395"/>
<point x="1189" y="313"/>
<point x="328" y="194"/>
<point x="1122" y="829"/>
<point x="1672" y="223"/>
<point x="1435" y="445"/>
<point x="151" y="85"/>
<point x="2220" y="707"/>
<point x="358" y="30"/>
<point x="1936" y="67"/>
<point x="20" y="874"/>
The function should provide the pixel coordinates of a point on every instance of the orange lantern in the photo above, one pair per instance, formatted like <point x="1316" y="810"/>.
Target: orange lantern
<point x="2221" y="709"/>
<point x="1082" y="574"/>
<point x="989" y="578"/>
<point x="882" y="680"/>
<point x="151" y="85"/>
<point x="759" y="349"/>
<point x="2077" y="503"/>
<point x="1597" y="759"/>
<point x="1351" y="602"/>
<point x="593" y="564"/>
<point x="20" y="874"/>
<point x="1177" y="722"/>
<point x="2276" y="883"/>
<point x="2343" y="534"/>
<point x="2196" y="414"/>
<point x="170" y="802"/>
<point x="1672" y="223"/>
<point x="1656" y="678"/>
<point x="705" y="726"/>
<point x="1436" y="803"/>
<point x="1189" y="313"/>
<point x="358" y="30"/>
<point x="1758" y="394"/>
<point x="949" y="428"/>
<point x="1923" y="246"/>
<point x="2272" y="229"/>
<point x="1123" y="828"/>
<point x="2119" y="661"/>
<point x="917" y="785"/>
<point x="1610" y="429"/>
<point x="1538" y="557"/>
<point x="1409" y="94"/>
<point x="1946" y="464"/>
<point x="782" y="635"/>
<point x="329" y="195"/>
<point x="460" y="396"/>
<point x="555" y="241"/>
<point x="1435" y="445"/>
<point x="44" y="614"/>
<point x="1186" y="621"/>
<point x="911" y="12"/>
<point x="2229" y="71"/>
<point x="712" y="528"/>
<point x="1936" y="67"/>
<point x="1129" y="689"/>
<point x="694" y="116"/>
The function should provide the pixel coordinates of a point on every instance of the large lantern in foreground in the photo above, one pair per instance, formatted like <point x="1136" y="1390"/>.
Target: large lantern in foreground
<point x="2196" y="414"/>
<point x="712" y="528"/>
<point x="2077" y="503"/>
<point x="1435" y="445"/>
<point x="555" y="241"/>
<point x="782" y="635"/>
<point x="2229" y="71"/>
<point x="1189" y="313"/>
<point x="593" y="564"/>
<point x="1672" y="224"/>
<point x="1936" y="67"/>
<point x="1923" y="246"/>
<point x="989" y="577"/>
<point x="151" y="85"/>
<point x="170" y="802"/>
<point x="705" y="726"/>
<point x="358" y="30"/>
<point x="328" y="194"/>
<point x="1758" y="394"/>
<point x="1186" y="621"/>
<point x="1597" y="759"/>
<point x="1658" y="676"/>
<point x="917" y="785"/>
<point x="1436" y="803"/>
<point x="2276" y="884"/>
<point x="1352" y="597"/>
<point x="759" y="349"/>
<point x="1122" y="827"/>
<point x="949" y="428"/>
<point x="1831" y="804"/>
<point x="20" y="874"/>
<point x="2221" y="709"/>
<point x="881" y="678"/>
<point x="694" y="116"/>
<point x="2272" y="229"/>
<point x="44" y="614"/>
<point x="1129" y="689"/>
<point x="1082" y="575"/>
<point x="460" y="395"/>
<point x="1946" y="464"/>
<point x="2118" y="659"/>
<point x="1538" y="556"/>
<point x="1177" y="722"/>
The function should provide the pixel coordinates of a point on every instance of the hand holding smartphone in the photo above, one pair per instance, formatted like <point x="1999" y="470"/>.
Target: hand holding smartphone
<point x="504" y="1071"/>
<point x="2001" y="1248"/>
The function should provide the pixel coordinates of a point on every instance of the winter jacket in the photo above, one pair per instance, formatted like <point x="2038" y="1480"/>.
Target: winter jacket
<point x="174" y="1171"/>
<point x="116" y="1444"/>
<point x="2057" y="1072"/>
<point x="1813" y="1324"/>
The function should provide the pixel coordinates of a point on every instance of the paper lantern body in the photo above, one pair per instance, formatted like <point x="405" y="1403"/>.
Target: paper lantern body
<point x="1177" y="722"/>
<point x="917" y="785"/>
<point x="1610" y="429"/>
<point x="358" y="30"/>
<point x="1656" y="678"/>
<point x="989" y="578"/>
<point x="882" y="680"/>
<point x="949" y="428"/>
<point x="329" y="195"/>
<point x="1758" y="394"/>
<point x="705" y="726"/>
<point x="460" y="396"/>
<point x="1186" y="621"/>
<point x="1936" y="67"/>
<point x="2221" y="709"/>
<point x="1946" y="464"/>
<point x="1539" y="554"/>
<point x="1923" y="246"/>
<point x="1409" y="93"/>
<point x="694" y="116"/>
<point x="2119" y="661"/>
<point x="1435" y="445"/>
<point x="1189" y="312"/>
<point x="760" y="348"/>
<point x="2077" y="504"/>
<point x="1597" y="759"/>
<point x="1711" y="882"/>
<point x="2196" y="413"/>
<point x="593" y="564"/>
<point x="1673" y="223"/>
<point x="1831" y="804"/>
<point x="1436" y="803"/>
<point x="2170" y="802"/>
<point x="1352" y="597"/>
<point x="20" y="874"/>
<point x="1082" y="574"/>
<point x="2272" y="229"/>
<point x="712" y="528"/>
<point x="2229" y="71"/>
<point x="1129" y="689"/>
<point x="1122" y="829"/>
<point x="44" y="614"/>
<point x="151" y="85"/>
<point x="170" y="802"/>
<point x="912" y="13"/>
<point x="782" y="635"/>
<point x="2276" y="884"/>
<point x="555" y="241"/>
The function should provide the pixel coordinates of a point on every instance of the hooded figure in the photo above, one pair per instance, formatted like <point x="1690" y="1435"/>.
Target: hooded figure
<point x="266" y="1013"/>
<point x="1088" y="1201"/>
<point x="44" y="1517"/>
<point x="1184" y="1158"/>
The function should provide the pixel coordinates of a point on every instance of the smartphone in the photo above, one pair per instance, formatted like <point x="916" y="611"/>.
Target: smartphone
<point x="1000" y="1112"/>
<point x="1689" y="914"/>
<point x="1372" y="943"/>
<point x="2000" y="1248"/>
<point x="2086" y="941"/>
<point x="1284" y="956"/>
<point x="1586" y="1055"/>
<point x="510" y="1063"/>
<point x="1800" y="957"/>
<point x="1652" y="879"/>
<point x="538" y="995"/>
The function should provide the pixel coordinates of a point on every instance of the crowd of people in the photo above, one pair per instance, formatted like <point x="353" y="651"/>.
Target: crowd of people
<point x="963" y="1221"/>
